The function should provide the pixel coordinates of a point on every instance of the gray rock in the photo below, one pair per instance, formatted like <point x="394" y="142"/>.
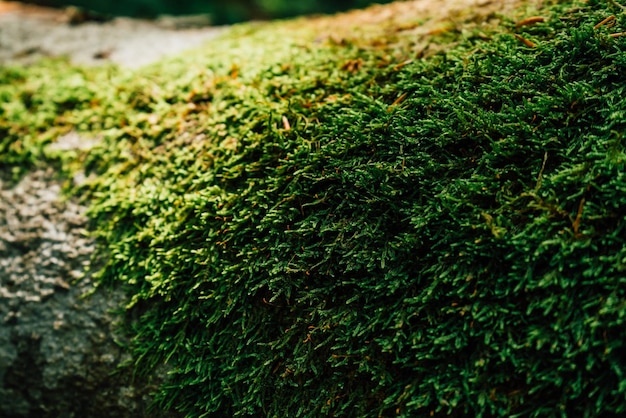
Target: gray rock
<point x="59" y="353"/>
<point x="28" y="34"/>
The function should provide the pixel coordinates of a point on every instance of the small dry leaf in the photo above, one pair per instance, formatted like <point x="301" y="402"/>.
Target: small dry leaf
<point x="402" y="64"/>
<point x="530" y="21"/>
<point x="525" y="41"/>
<point x="399" y="100"/>
<point x="234" y="71"/>
<point x="352" y="66"/>
<point x="609" y="20"/>
<point x="286" y="124"/>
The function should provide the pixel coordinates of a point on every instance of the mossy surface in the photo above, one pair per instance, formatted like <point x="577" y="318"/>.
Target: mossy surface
<point x="360" y="224"/>
<point x="40" y="103"/>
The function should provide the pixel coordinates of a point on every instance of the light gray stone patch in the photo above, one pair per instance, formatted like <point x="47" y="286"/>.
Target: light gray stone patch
<point x="132" y="43"/>
<point x="58" y="350"/>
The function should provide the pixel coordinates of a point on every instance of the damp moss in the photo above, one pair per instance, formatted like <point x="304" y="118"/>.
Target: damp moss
<point x="350" y="217"/>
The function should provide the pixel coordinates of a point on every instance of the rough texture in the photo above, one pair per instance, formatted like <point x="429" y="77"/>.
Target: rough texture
<point x="57" y="348"/>
<point x="58" y="352"/>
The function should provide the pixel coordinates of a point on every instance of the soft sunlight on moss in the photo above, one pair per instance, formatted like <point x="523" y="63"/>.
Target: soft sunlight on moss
<point x="365" y="221"/>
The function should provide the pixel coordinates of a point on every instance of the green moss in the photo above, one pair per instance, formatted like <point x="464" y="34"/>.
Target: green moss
<point x="42" y="102"/>
<point x="330" y="226"/>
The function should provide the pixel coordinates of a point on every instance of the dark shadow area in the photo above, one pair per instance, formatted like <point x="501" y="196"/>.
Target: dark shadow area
<point x="221" y="12"/>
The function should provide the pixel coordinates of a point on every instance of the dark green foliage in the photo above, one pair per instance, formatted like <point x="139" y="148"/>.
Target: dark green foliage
<point x="223" y="12"/>
<point x="302" y="237"/>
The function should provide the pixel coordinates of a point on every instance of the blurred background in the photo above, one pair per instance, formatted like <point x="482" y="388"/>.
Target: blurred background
<point x="220" y="11"/>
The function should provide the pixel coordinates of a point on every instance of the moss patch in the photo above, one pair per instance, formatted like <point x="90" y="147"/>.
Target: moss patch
<point x="363" y="223"/>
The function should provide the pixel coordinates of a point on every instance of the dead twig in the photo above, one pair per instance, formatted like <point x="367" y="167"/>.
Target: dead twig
<point x="525" y="41"/>
<point x="605" y="22"/>
<point x="529" y="21"/>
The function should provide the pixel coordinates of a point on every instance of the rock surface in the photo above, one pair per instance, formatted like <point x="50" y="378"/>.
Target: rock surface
<point x="58" y="349"/>
<point x="28" y="33"/>
<point x="58" y="352"/>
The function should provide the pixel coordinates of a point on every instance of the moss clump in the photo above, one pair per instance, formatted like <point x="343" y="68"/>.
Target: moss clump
<point x="38" y="104"/>
<point x="330" y="226"/>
